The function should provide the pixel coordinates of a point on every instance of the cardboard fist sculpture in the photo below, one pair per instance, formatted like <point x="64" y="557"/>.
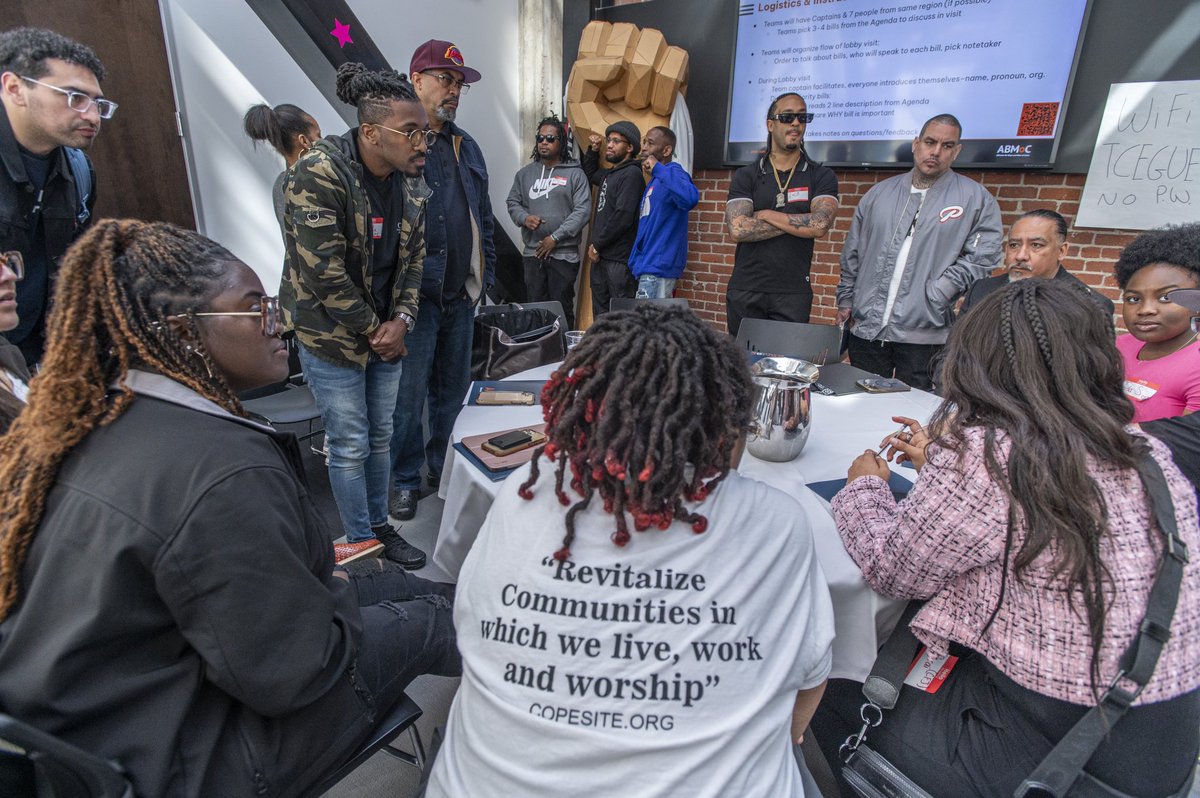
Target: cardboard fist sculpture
<point x="623" y="73"/>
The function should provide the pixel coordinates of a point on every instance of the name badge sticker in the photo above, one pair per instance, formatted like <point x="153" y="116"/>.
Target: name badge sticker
<point x="798" y="194"/>
<point x="1140" y="390"/>
<point x="929" y="674"/>
<point x="376" y="227"/>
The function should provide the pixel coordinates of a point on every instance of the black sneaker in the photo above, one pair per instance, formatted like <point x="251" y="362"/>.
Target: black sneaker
<point x="404" y="504"/>
<point x="433" y="480"/>
<point x="397" y="549"/>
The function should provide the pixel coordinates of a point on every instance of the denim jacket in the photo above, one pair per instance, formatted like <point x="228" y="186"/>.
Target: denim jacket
<point x="473" y="170"/>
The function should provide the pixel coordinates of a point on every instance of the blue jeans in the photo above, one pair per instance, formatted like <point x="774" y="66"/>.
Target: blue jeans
<point x="438" y="366"/>
<point x="651" y="286"/>
<point x="356" y="406"/>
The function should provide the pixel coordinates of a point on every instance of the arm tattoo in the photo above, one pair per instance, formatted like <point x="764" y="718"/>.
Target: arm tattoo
<point x="742" y="224"/>
<point x="824" y="209"/>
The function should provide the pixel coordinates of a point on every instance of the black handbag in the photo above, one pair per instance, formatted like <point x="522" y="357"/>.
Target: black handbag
<point x="1060" y="774"/>
<point x="515" y="339"/>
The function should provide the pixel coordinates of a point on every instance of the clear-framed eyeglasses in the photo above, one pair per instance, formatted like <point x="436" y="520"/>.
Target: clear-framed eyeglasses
<point x="14" y="262"/>
<point x="268" y="314"/>
<point x="78" y="101"/>
<point x="414" y="137"/>
<point x="448" y="80"/>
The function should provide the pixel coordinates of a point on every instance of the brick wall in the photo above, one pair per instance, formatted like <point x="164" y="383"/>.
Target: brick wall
<point x="1090" y="256"/>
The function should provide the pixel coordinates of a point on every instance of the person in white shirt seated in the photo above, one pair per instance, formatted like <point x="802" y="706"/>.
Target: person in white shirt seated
<point x="635" y="615"/>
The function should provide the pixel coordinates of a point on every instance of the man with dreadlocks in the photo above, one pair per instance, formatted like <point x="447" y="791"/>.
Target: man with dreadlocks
<point x="551" y="200"/>
<point x="777" y="208"/>
<point x="354" y="222"/>
<point x="667" y="637"/>
<point x="168" y="594"/>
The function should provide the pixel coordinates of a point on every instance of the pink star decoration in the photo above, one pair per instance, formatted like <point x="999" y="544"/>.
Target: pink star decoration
<point x="341" y="33"/>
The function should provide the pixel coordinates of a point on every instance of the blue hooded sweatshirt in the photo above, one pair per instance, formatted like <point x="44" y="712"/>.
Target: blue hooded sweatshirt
<point x="661" y="245"/>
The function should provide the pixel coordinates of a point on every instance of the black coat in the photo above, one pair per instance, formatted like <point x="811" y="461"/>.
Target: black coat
<point x="178" y="613"/>
<point x="59" y="227"/>
<point x="988" y="285"/>
<point x="617" y="205"/>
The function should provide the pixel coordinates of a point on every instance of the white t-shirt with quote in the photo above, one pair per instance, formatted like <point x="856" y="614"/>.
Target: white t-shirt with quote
<point x="667" y="667"/>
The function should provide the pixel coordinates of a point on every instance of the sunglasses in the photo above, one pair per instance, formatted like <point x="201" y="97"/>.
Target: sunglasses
<point x="78" y="101"/>
<point x="14" y="263"/>
<point x="789" y="117"/>
<point x="547" y="139"/>
<point x="415" y="137"/>
<point x="268" y="314"/>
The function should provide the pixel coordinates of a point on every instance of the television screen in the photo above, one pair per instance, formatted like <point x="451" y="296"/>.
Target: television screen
<point x="872" y="72"/>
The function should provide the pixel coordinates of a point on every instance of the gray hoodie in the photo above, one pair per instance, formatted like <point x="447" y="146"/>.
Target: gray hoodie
<point x="561" y="196"/>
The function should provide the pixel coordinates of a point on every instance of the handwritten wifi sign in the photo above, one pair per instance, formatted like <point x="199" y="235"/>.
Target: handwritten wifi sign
<point x="1145" y="169"/>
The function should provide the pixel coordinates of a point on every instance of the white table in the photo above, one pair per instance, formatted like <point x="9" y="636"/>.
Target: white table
<point x="842" y="427"/>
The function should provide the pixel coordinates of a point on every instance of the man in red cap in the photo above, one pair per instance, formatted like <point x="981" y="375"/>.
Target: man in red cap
<point x="460" y="261"/>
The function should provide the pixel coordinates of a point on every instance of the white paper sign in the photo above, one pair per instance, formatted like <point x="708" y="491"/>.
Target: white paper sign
<point x="1145" y="169"/>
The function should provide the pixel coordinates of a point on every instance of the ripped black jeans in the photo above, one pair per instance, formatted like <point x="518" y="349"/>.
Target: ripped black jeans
<point x="408" y="629"/>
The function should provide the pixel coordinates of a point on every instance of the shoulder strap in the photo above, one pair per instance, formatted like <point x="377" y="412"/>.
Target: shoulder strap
<point x="1062" y="766"/>
<point x="81" y="172"/>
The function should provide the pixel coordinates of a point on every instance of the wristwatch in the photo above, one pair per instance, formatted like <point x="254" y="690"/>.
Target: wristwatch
<point x="408" y="320"/>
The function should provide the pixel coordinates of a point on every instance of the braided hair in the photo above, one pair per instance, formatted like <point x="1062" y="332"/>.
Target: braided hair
<point x="646" y="411"/>
<point x="117" y="285"/>
<point x="1051" y="384"/>
<point x="372" y="93"/>
<point x="560" y="130"/>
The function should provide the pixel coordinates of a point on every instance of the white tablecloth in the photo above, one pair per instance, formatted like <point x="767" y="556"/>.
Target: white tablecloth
<point x="842" y="427"/>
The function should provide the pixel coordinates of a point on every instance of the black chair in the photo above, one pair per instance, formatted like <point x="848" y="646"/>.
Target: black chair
<point x="402" y="718"/>
<point x="629" y="303"/>
<point x="287" y="402"/>
<point x="816" y="343"/>
<point x="47" y="767"/>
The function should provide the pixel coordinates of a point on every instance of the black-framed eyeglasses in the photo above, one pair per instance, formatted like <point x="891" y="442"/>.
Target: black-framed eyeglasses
<point x="449" y="80"/>
<point x="617" y="140"/>
<point x="415" y="137"/>
<point x="788" y="117"/>
<point x="268" y="313"/>
<point x="78" y="101"/>
<point x="546" y="139"/>
<point x="14" y="262"/>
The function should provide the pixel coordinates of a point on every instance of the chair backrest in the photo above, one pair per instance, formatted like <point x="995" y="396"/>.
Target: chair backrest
<point x="63" y="769"/>
<point x="628" y="303"/>
<point x="553" y="306"/>
<point x="816" y="343"/>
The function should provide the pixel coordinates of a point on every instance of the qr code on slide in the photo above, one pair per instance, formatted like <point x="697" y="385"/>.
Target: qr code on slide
<point x="1037" y="119"/>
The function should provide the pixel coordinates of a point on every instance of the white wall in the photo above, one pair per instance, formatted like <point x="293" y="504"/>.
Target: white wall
<point x="226" y="60"/>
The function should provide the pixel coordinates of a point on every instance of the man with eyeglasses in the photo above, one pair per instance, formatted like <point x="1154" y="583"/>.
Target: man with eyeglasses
<point x="551" y="200"/>
<point x="916" y="243"/>
<point x="615" y="226"/>
<point x="52" y="111"/>
<point x="354" y="225"/>
<point x="778" y="206"/>
<point x="460" y="264"/>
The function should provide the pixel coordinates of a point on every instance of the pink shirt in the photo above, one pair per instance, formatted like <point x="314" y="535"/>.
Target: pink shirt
<point x="1164" y="387"/>
<point x="945" y="542"/>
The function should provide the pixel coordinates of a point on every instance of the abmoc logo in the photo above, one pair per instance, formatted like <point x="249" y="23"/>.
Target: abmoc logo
<point x="1013" y="150"/>
<point x="949" y="212"/>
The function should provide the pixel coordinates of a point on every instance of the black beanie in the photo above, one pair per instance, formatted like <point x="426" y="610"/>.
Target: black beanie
<point x="629" y="131"/>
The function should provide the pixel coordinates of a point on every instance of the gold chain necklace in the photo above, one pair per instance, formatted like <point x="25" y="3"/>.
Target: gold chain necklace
<point x="1183" y="345"/>
<point x="781" y="197"/>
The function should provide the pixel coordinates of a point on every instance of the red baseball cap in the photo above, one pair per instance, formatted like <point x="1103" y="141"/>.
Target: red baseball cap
<point x="437" y="53"/>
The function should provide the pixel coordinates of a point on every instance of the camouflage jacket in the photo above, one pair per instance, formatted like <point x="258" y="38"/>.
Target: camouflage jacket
<point x="325" y="293"/>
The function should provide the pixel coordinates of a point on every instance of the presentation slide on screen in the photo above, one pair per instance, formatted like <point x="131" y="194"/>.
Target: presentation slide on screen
<point x="873" y="72"/>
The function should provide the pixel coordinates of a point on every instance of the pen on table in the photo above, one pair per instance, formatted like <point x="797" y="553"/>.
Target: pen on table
<point x="895" y="434"/>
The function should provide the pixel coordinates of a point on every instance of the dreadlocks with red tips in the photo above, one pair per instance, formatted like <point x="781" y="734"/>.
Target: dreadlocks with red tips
<point x="647" y="411"/>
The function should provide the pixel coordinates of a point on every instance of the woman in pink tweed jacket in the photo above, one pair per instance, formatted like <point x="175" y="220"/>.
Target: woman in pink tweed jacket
<point x="1030" y="534"/>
